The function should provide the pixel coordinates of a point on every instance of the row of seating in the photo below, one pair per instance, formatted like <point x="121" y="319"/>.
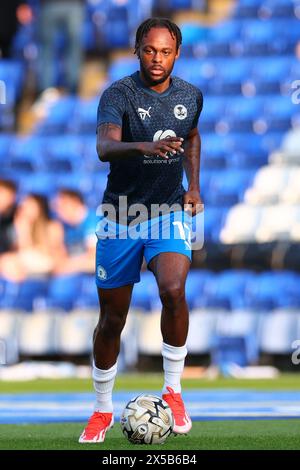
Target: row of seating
<point x="261" y="224"/>
<point x="266" y="8"/>
<point x="273" y="333"/>
<point x="230" y="289"/>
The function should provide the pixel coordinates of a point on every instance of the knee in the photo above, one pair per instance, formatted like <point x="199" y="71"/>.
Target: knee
<point x="172" y="294"/>
<point x="111" y="325"/>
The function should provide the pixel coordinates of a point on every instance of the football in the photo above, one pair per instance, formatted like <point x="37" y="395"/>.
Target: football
<point x="147" y="419"/>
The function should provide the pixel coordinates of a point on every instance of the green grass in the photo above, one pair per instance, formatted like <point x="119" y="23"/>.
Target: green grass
<point x="152" y="382"/>
<point x="212" y="435"/>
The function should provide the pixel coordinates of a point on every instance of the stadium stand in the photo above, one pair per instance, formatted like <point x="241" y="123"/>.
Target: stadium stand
<point x="249" y="178"/>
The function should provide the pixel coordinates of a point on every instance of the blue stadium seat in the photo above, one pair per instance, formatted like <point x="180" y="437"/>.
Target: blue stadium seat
<point x="26" y="155"/>
<point x="31" y="294"/>
<point x="268" y="74"/>
<point x="12" y="74"/>
<point x="271" y="290"/>
<point x="279" y="111"/>
<point x="64" y="154"/>
<point x="213" y="111"/>
<point x="117" y="27"/>
<point x="242" y="112"/>
<point x="122" y="67"/>
<point x="214" y="218"/>
<point x="231" y="75"/>
<point x="145" y="293"/>
<point x="195" y="72"/>
<point x="5" y="143"/>
<point x="63" y="291"/>
<point x="246" y="8"/>
<point x="246" y="151"/>
<point x="193" y="33"/>
<point x="213" y="152"/>
<point x="40" y="183"/>
<point x="60" y="116"/>
<point x="195" y="284"/>
<point x="85" y="115"/>
<point x="88" y="296"/>
<point x="227" y="289"/>
<point x="227" y="187"/>
<point x="278" y="8"/>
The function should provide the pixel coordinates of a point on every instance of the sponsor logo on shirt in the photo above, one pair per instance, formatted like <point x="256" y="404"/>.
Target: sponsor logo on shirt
<point x="143" y="113"/>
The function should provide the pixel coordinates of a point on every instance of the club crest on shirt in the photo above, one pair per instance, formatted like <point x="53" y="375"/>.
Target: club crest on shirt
<point x="180" y="111"/>
<point x="101" y="272"/>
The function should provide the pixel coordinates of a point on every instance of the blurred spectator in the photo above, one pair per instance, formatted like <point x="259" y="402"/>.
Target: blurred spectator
<point x="79" y="232"/>
<point x="8" y="24"/>
<point x="60" y="16"/>
<point x="39" y="241"/>
<point x="8" y="193"/>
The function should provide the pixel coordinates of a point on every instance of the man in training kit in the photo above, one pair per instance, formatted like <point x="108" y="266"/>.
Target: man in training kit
<point x="147" y="130"/>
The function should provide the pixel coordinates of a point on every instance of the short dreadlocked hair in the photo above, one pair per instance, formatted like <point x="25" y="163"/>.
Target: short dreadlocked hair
<point x="150" y="23"/>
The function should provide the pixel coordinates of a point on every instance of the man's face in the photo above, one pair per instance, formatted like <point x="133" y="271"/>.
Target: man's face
<point x="157" y="54"/>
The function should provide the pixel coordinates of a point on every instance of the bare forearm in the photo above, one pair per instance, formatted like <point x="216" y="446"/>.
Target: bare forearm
<point x="191" y="162"/>
<point x="112" y="150"/>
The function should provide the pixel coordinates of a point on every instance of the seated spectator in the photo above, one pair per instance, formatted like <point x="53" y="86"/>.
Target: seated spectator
<point x="8" y="194"/>
<point x="38" y="241"/>
<point x="79" y="232"/>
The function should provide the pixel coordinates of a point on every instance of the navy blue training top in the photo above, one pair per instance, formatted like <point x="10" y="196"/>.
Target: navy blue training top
<point x="145" y="115"/>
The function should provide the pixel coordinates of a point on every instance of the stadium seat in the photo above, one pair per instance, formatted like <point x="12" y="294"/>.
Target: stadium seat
<point x="277" y="222"/>
<point x="214" y="218"/>
<point x="63" y="290"/>
<point x="228" y="187"/>
<point x="145" y="293"/>
<point x="122" y="67"/>
<point x="202" y="324"/>
<point x="88" y="296"/>
<point x="85" y="113"/>
<point x="5" y="143"/>
<point x="149" y="335"/>
<point x="268" y="185"/>
<point x="37" y="334"/>
<point x="241" y="113"/>
<point x="278" y="331"/>
<point x="116" y="27"/>
<point x="64" y="154"/>
<point x="241" y="224"/>
<point x="227" y="289"/>
<point x="26" y="154"/>
<point x="279" y="112"/>
<point x="268" y="75"/>
<point x="213" y="152"/>
<point x="12" y="74"/>
<point x="31" y="294"/>
<point x="74" y="332"/>
<point x="230" y="76"/>
<point x="270" y="290"/>
<point x="9" y="350"/>
<point x="195" y="284"/>
<point x="59" y="117"/>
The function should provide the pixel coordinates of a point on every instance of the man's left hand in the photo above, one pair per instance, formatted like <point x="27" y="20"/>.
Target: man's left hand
<point x="192" y="201"/>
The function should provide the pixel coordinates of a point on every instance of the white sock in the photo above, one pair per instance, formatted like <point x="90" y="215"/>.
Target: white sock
<point x="173" y="364"/>
<point x="103" y="384"/>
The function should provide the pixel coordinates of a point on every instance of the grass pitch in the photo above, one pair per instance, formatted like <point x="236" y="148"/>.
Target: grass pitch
<point x="205" y="435"/>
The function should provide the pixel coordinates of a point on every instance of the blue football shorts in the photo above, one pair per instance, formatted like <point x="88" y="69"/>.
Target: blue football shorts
<point x="121" y="248"/>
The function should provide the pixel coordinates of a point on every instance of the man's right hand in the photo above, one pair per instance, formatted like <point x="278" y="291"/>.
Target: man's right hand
<point x="171" y="145"/>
